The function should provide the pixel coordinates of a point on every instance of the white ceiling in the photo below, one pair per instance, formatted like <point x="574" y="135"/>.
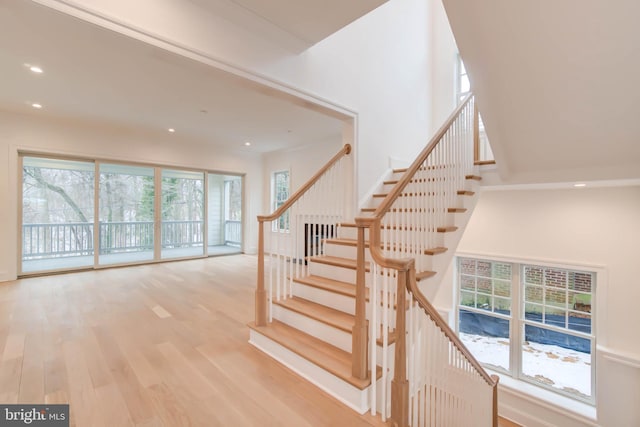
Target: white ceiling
<point x="556" y="84"/>
<point x="95" y="74"/>
<point x="309" y="21"/>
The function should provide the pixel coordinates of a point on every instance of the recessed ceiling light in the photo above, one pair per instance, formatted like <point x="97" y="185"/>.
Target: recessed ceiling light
<point x="172" y="130"/>
<point x="36" y="105"/>
<point x="247" y="143"/>
<point x="580" y="185"/>
<point x="36" y="69"/>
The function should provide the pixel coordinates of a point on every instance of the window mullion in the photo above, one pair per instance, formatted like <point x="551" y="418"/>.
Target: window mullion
<point x="205" y="214"/>
<point x="96" y="213"/>
<point x="157" y="213"/>
<point x="517" y="303"/>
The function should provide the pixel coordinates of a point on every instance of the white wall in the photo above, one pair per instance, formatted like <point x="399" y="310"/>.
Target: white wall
<point x="596" y="227"/>
<point x="302" y="163"/>
<point x="65" y="137"/>
<point x="380" y="67"/>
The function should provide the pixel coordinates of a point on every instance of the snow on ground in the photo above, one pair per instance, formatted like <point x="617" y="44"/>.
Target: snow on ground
<point x="558" y="367"/>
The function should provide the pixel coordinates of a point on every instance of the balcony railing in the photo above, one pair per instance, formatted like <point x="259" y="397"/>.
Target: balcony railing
<point x="181" y="234"/>
<point x="57" y="240"/>
<point x="233" y="233"/>
<point x="40" y="240"/>
<point x="126" y="236"/>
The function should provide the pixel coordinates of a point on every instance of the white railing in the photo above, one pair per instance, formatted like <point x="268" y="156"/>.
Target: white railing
<point x="311" y="215"/>
<point x="126" y="236"/>
<point x="40" y="241"/>
<point x="233" y="232"/>
<point x="45" y="240"/>
<point x="436" y="381"/>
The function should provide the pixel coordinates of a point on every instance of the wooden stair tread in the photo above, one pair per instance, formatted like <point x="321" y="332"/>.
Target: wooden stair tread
<point x="335" y="286"/>
<point x="473" y="177"/>
<point x="345" y="242"/>
<point x="354" y="243"/>
<point x="424" y="275"/>
<point x="322" y="313"/>
<point x="337" y="261"/>
<point x="465" y="193"/>
<point x="318" y="352"/>
<point x="448" y="229"/>
<point x="403" y="170"/>
<point x="435" y="251"/>
<point x="456" y="210"/>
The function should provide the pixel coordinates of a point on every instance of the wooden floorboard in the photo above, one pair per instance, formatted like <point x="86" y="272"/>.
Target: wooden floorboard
<point x="155" y="345"/>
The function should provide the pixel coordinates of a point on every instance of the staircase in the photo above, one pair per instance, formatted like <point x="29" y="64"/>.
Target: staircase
<point x="335" y="312"/>
<point x="311" y="331"/>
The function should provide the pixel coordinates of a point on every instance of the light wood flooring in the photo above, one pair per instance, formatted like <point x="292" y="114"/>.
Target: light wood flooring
<point x="156" y="345"/>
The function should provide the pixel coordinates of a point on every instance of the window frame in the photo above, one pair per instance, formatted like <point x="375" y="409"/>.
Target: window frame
<point x="517" y="321"/>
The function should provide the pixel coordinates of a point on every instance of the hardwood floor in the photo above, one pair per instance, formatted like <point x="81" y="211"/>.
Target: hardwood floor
<point x="156" y="345"/>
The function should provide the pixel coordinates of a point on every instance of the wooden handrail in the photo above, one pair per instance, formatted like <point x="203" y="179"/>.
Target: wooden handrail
<point x="407" y="279"/>
<point x="261" y="293"/>
<point x="412" y="287"/>
<point x="295" y="196"/>
<point x="406" y="265"/>
<point x="385" y="205"/>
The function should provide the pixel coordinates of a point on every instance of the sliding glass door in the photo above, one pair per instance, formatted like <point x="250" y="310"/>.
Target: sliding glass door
<point x="182" y="213"/>
<point x="127" y="207"/>
<point x="57" y="214"/>
<point x="224" y="214"/>
<point x="144" y="213"/>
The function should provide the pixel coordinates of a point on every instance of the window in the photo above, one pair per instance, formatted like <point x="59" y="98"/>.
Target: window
<point x="463" y="88"/>
<point x="57" y="213"/>
<point x="531" y="322"/>
<point x="126" y="209"/>
<point x="182" y="213"/>
<point x="280" y="194"/>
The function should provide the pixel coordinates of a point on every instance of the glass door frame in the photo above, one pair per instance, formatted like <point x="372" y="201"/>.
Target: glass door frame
<point x="96" y="220"/>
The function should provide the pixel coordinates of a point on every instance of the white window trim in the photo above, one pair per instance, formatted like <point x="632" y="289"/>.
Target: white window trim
<point x="515" y="379"/>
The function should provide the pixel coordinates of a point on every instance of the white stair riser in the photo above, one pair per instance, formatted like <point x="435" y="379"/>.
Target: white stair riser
<point x="343" y="251"/>
<point x="351" y="233"/>
<point x="339" y="302"/>
<point x="356" y="399"/>
<point x="332" y="272"/>
<point x="336" y="337"/>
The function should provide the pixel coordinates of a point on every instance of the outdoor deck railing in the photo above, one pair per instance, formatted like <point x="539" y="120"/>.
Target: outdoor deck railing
<point x="49" y="240"/>
<point x="42" y="240"/>
<point x="126" y="236"/>
<point x="233" y="232"/>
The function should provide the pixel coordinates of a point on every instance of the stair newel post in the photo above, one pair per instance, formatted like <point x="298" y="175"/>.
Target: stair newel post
<point x="495" y="379"/>
<point x="400" y="383"/>
<point x="261" y="294"/>
<point x="360" y="334"/>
